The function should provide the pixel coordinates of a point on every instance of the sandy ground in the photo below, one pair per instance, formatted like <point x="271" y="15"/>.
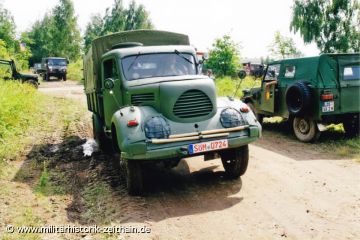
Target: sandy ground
<point x="291" y="190"/>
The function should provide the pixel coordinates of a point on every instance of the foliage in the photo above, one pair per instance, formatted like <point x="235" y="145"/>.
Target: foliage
<point x="9" y="45"/>
<point x="74" y="70"/>
<point x="333" y="25"/>
<point x="283" y="47"/>
<point x="226" y="86"/>
<point x="57" y="34"/>
<point x="224" y="57"/>
<point x="7" y="27"/>
<point x="118" y="18"/>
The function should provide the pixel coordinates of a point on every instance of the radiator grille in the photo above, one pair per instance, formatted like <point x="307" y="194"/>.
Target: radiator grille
<point x="193" y="103"/>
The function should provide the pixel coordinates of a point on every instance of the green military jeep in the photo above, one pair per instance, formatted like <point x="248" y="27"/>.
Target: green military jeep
<point x="151" y="104"/>
<point x="311" y="92"/>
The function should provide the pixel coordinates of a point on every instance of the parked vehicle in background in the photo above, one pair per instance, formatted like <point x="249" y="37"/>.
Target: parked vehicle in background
<point x="254" y="69"/>
<point x="8" y="71"/>
<point x="37" y="68"/>
<point x="311" y="92"/>
<point x="54" y="67"/>
<point x="151" y="104"/>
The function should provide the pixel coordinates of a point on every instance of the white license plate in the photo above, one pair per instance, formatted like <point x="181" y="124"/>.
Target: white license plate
<point x="208" y="146"/>
<point x="328" y="106"/>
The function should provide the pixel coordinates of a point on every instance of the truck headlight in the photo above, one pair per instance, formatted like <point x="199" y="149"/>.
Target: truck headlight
<point x="231" y="118"/>
<point x="157" y="127"/>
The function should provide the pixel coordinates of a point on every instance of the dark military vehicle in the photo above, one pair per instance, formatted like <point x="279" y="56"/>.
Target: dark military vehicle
<point x="54" y="67"/>
<point x="151" y="104"/>
<point x="8" y="71"/>
<point x="312" y="92"/>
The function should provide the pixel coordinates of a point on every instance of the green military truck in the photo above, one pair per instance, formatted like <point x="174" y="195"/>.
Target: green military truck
<point x="311" y="92"/>
<point x="151" y="104"/>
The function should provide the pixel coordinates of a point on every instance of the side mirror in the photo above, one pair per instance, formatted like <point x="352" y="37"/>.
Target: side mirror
<point x="67" y="61"/>
<point x="109" y="83"/>
<point x="242" y="74"/>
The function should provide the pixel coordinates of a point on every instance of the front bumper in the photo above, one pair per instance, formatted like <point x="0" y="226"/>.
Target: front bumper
<point x="179" y="149"/>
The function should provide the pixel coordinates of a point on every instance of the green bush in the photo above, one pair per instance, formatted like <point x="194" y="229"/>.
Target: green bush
<point x="75" y="71"/>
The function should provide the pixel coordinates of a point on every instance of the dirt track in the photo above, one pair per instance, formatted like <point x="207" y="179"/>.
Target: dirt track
<point x="290" y="190"/>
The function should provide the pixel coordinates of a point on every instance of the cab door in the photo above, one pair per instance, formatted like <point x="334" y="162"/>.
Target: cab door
<point x="268" y="87"/>
<point x="111" y="89"/>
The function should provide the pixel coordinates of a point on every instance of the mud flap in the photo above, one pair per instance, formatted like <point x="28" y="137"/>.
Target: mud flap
<point x="322" y="127"/>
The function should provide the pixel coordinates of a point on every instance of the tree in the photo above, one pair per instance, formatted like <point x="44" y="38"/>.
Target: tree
<point x="118" y="18"/>
<point x="38" y="38"/>
<point x="57" y="34"/>
<point x="7" y="28"/>
<point x="224" y="57"/>
<point x="283" y="47"/>
<point x="66" y="39"/>
<point x="93" y="30"/>
<point x="10" y="46"/>
<point x="333" y="25"/>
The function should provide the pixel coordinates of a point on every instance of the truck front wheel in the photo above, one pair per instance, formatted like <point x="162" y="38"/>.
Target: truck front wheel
<point x="235" y="161"/>
<point x="134" y="179"/>
<point x="305" y="129"/>
<point x="103" y="141"/>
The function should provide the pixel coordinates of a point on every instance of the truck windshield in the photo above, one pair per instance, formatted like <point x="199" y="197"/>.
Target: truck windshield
<point x="57" y="62"/>
<point x="158" y="65"/>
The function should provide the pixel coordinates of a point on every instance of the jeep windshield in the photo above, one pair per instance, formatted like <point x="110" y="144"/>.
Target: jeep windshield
<point x="57" y="62"/>
<point x="158" y="65"/>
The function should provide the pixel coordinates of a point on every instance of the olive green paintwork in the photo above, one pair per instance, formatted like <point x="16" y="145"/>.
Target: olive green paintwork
<point x="324" y="74"/>
<point x="115" y="108"/>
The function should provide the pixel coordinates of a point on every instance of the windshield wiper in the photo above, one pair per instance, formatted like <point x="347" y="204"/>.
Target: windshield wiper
<point x="180" y="55"/>
<point x="133" y="62"/>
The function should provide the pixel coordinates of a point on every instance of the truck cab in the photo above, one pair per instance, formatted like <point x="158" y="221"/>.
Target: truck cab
<point x="151" y="104"/>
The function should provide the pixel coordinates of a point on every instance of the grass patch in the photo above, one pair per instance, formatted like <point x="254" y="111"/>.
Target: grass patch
<point x="226" y="86"/>
<point x="98" y="208"/>
<point x="21" y="110"/>
<point x="74" y="71"/>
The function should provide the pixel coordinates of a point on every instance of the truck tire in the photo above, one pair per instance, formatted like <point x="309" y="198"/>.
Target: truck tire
<point x="305" y="129"/>
<point x="64" y="77"/>
<point x="235" y="161"/>
<point x="351" y="126"/>
<point x="134" y="178"/>
<point x="105" y="144"/>
<point x="258" y="116"/>
<point x="47" y="77"/>
<point x="298" y="99"/>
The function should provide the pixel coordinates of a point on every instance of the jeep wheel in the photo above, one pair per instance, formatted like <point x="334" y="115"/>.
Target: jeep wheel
<point x="103" y="141"/>
<point x="134" y="180"/>
<point x="235" y="161"/>
<point x="64" y="77"/>
<point x="305" y="129"/>
<point x="32" y="83"/>
<point x="258" y="116"/>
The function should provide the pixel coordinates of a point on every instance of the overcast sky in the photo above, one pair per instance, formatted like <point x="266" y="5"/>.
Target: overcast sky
<point x="250" y="23"/>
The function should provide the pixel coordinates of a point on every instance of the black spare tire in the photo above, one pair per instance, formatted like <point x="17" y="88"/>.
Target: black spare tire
<point x="298" y="98"/>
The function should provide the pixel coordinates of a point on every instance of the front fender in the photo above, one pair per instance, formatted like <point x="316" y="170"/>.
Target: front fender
<point x="131" y="139"/>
